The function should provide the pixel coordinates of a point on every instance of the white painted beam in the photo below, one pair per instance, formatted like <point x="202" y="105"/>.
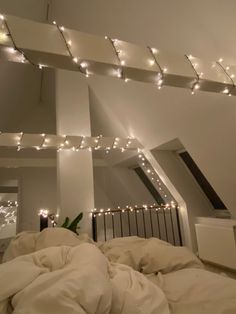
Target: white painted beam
<point x="57" y="46"/>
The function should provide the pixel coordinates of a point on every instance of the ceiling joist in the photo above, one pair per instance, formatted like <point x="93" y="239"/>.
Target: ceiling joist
<point x="45" y="45"/>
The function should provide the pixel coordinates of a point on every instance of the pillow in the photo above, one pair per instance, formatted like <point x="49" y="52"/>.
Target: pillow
<point x="57" y="237"/>
<point x="167" y="259"/>
<point x="23" y="243"/>
<point x="129" y="250"/>
<point x="29" y="241"/>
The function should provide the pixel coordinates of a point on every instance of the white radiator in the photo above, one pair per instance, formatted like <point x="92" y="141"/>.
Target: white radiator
<point x="217" y="242"/>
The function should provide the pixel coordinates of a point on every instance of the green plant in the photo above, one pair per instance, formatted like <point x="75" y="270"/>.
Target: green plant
<point x="73" y="226"/>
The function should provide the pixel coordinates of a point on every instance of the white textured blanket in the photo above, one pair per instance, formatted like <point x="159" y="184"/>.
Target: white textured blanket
<point x="188" y="287"/>
<point x="66" y="280"/>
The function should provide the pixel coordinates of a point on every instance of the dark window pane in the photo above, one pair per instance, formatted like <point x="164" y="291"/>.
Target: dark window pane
<point x="202" y="181"/>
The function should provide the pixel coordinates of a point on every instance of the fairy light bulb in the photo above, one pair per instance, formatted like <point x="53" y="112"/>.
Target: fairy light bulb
<point x="151" y="62"/>
<point x="83" y="64"/>
<point x="75" y="60"/>
<point x="196" y="86"/>
<point x="154" y="50"/>
<point x="226" y="90"/>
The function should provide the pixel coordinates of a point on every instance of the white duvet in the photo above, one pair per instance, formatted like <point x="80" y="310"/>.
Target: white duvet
<point x="188" y="287"/>
<point x="75" y="280"/>
<point x="126" y="276"/>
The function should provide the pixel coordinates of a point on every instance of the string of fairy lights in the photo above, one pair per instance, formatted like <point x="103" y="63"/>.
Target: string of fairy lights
<point x="8" y="212"/>
<point x="160" y="75"/>
<point x="45" y="213"/>
<point x="83" y="66"/>
<point x="227" y="91"/>
<point x="61" y="142"/>
<point x="168" y="203"/>
<point x="133" y="209"/>
<point x="196" y="84"/>
<point x="155" y="179"/>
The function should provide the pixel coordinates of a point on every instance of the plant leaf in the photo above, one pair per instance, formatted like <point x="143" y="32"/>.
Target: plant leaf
<point x="73" y="226"/>
<point x="65" y="223"/>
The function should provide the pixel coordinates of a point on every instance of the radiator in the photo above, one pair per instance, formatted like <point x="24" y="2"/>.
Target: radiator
<point x="217" y="244"/>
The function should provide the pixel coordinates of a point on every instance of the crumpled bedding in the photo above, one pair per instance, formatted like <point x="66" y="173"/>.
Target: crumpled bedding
<point x="188" y="287"/>
<point x="28" y="242"/>
<point x="75" y="280"/>
<point x="78" y="278"/>
<point x="149" y="255"/>
<point x="194" y="291"/>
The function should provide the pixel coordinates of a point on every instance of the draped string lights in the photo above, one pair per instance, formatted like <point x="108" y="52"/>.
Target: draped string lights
<point x="8" y="212"/>
<point x="23" y="57"/>
<point x="154" y="179"/>
<point x="66" y="142"/>
<point x="168" y="203"/>
<point x="45" y="213"/>
<point x="160" y="75"/>
<point x="84" y="65"/>
<point x="227" y="91"/>
<point x="196" y="84"/>
<point x="135" y="209"/>
<point x="118" y="52"/>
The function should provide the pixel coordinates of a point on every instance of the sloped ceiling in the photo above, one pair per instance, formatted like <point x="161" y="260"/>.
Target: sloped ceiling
<point x="202" y="28"/>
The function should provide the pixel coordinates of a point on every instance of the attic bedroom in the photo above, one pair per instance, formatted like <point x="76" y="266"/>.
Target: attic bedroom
<point x="117" y="157"/>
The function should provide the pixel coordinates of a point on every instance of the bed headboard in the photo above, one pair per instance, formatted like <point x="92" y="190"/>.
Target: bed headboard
<point x="148" y="221"/>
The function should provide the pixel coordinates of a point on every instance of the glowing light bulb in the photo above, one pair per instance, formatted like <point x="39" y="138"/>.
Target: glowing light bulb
<point x="154" y="50"/>
<point x="12" y="50"/>
<point x="83" y="65"/>
<point x="220" y="60"/>
<point x="75" y="60"/>
<point x="226" y="90"/>
<point x="196" y="86"/>
<point x="69" y="42"/>
<point x="122" y="62"/>
<point x="54" y="23"/>
<point x="62" y="28"/>
<point x="165" y="70"/>
<point x="151" y="62"/>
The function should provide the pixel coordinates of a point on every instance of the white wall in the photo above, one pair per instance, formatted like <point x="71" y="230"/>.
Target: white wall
<point x="119" y="186"/>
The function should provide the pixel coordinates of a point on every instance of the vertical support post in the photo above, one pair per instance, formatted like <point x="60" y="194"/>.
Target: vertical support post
<point x="43" y="222"/>
<point x="74" y="168"/>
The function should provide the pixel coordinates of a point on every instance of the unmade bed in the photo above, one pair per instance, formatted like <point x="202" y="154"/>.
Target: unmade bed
<point x="56" y="271"/>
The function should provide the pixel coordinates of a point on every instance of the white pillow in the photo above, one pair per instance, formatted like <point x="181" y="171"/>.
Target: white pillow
<point x="57" y="237"/>
<point x="167" y="259"/>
